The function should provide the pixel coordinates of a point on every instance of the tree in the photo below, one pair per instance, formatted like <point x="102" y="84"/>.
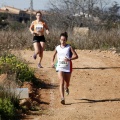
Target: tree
<point x="75" y="12"/>
<point x="3" y="22"/>
<point x="111" y="16"/>
<point x="113" y="12"/>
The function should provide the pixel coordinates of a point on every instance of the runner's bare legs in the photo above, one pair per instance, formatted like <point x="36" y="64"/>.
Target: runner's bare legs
<point x="67" y="79"/>
<point x="67" y="82"/>
<point x="42" y="45"/>
<point x="36" y="48"/>
<point x="61" y="79"/>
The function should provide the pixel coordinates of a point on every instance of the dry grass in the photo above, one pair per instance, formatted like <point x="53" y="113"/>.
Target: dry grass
<point x="101" y="39"/>
<point x="104" y="39"/>
<point x="95" y="40"/>
<point x="14" y="39"/>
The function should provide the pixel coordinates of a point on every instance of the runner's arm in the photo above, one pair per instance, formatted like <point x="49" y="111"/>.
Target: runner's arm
<point x="74" y="56"/>
<point x="47" y="29"/>
<point x="53" y="58"/>
<point x="32" y="28"/>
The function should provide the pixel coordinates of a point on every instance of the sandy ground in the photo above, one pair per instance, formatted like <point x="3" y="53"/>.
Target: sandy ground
<point x="94" y="87"/>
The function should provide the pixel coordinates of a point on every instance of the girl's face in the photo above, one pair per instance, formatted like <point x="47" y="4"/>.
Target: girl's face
<point x="38" y="16"/>
<point x="63" y="40"/>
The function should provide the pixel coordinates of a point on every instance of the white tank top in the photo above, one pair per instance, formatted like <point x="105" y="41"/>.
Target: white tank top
<point x="61" y="54"/>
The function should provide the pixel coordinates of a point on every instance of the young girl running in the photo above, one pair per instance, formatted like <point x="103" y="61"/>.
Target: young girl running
<point x="37" y="28"/>
<point x="65" y="53"/>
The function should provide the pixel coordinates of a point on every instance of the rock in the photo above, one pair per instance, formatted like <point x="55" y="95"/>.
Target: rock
<point x="23" y="101"/>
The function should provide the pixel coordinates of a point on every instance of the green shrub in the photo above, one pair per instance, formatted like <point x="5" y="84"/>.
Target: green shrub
<point x="7" y="110"/>
<point x="11" y="64"/>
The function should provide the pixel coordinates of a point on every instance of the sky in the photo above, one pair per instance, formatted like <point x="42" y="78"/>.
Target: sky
<point x="37" y="4"/>
<point x="25" y="4"/>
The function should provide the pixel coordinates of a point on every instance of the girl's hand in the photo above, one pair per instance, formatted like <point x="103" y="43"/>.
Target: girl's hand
<point x="52" y="64"/>
<point x="67" y="59"/>
<point x="47" y="32"/>
<point x="33" y="33"/>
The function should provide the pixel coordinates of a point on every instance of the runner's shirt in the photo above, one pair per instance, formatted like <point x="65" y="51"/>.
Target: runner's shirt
<point x="62" y="65"/>
<point x="39" y="27"/>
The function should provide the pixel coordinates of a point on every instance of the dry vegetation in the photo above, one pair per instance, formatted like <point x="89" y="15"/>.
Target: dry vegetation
<point x="22" y="39"/>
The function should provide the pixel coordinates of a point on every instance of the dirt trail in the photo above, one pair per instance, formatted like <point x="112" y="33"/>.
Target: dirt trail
<point x="94" y="87"/>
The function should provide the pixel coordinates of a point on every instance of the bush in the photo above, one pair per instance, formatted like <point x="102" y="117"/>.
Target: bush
<point x="11" y="64"/>
<point x="7" y="110"/>
<point x="17" y="26"/>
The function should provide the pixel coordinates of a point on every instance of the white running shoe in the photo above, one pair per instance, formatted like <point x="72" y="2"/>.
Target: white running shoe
<point x="39" y="65"/>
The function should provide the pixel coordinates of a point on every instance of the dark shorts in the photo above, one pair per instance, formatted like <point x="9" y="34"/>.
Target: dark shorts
<point x="38" y="39"/>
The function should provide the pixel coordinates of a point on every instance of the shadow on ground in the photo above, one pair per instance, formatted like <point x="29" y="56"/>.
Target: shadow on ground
<point x="95" y="101"/>
<point x="102" y="68"/>
<point x="38" y="83"/>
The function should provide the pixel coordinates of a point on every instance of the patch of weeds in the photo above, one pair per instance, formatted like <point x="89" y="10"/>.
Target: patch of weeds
<point x="7" y="109"/>
<point x="105" y="46"/>
<point x="19" y="71"/>
<point x="11" y="64"/>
